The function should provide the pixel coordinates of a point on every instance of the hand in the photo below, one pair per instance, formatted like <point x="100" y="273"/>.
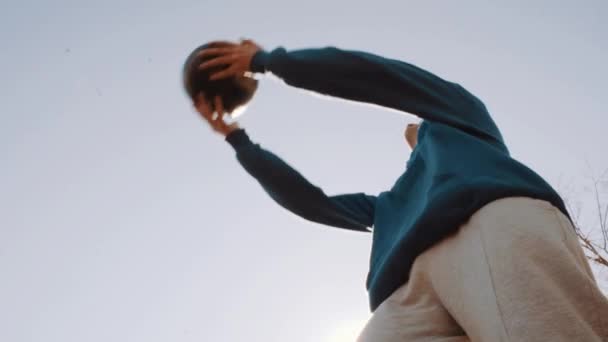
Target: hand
<point x="235" y="57"/>
<point x="207" y="112"/>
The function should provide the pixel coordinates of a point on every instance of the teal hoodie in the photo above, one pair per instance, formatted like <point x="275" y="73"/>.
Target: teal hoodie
<point x="460" y="162"/>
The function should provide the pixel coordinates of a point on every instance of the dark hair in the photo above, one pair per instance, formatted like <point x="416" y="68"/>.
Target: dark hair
<point x="195" y="80"/>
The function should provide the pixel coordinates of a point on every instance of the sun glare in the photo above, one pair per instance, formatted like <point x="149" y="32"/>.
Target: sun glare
<point x="347" y="331"/>
<point x="238" y="112"/>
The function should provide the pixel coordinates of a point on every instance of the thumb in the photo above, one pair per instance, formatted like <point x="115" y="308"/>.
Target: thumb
<point x="247" y="41"/>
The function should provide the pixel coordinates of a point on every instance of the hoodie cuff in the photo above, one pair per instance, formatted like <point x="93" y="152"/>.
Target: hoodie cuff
<point x="238" y="138"/>
<point x="259" y="62"/>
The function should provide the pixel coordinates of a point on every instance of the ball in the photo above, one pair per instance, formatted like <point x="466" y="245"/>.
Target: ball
<point x="235" y="91"/>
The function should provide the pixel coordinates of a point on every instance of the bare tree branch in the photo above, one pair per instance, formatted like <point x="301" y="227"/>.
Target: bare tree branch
<point x="599" y="212"/>
<point x="597" y="251"/>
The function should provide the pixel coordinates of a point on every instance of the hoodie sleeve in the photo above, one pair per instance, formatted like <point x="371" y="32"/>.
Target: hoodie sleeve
<point x="292" y="191"/>
<point x="365" y="77"/>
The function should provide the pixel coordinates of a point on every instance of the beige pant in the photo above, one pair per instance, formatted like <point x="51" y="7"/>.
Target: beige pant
<point x="514" y="272"/>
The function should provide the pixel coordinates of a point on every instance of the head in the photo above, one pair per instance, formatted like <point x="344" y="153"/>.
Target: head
<point x="411" y="135"/>
<point x="235" y="91"/>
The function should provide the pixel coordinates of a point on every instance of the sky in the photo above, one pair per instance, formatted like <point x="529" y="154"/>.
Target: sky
<point x="123" y="217"/>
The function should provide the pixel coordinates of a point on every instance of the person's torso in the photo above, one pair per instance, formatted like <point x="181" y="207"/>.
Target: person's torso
<point x="450" y="175"/>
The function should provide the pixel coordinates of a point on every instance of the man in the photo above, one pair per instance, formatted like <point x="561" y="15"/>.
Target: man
<point x="469" y="244"/>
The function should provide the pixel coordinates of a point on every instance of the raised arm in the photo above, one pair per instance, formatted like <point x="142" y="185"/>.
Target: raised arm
<point x="369" y="78"/>
<point x="283" y="183"/>
<point x="293" y="192"/>
<point x="365" y="77"/>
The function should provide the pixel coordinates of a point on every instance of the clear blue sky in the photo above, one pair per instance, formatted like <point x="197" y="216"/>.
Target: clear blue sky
<point x="124" y="218"/>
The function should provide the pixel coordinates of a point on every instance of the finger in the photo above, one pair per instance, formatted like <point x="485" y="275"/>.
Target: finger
<point x="246" y="41"/>
<point x="200" y="97"/>
<point x="220" y="43"/>
<point x="206" y="114"/>
<point x="215" y="51"/>
<point x="219" y="105"/>
<point x="232" y="71"/>
<point x="203" y="107"/>
<point x="197" y="101"/>
<point x="224" y="60"/>
<point x="218" y="124"/>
